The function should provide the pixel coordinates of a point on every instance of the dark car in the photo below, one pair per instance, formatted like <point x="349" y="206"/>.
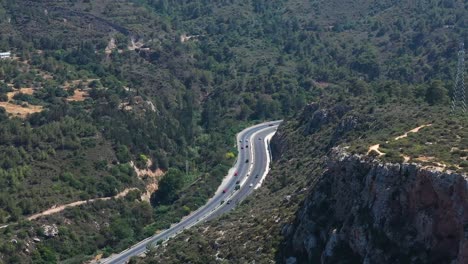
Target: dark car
<point x="256" y="176"/>
<point x="247" y="146"/>
<point x="235" y="174"/>
<point x="229" y="202"/>
<point x="247" y="161"/>
<point x="225" y="191"/>
<point x="237" y="182"/>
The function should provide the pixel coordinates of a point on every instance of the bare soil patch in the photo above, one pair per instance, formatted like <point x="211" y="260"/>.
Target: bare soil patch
<point x="78" y="96"/>
<point x="29" y="91"/>
<point x="376" y="149"/>
<point x="23" y="110"/>
<point x="20" y="111"/>
<point x="150" y="177"/>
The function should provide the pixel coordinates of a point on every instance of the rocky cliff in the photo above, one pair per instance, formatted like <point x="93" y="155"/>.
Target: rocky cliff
<point x="324" y="204"/>
<point x="362" y="211"/>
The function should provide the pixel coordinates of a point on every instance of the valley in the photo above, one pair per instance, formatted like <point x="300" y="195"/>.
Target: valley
<point x="120" y="119"/>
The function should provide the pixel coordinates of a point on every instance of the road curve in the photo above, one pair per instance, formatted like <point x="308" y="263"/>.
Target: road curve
<point x="252" y="163"/>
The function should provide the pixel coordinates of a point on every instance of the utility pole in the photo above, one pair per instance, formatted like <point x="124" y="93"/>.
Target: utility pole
<point x="186" y="165"/>
<point x="458" y="99"/>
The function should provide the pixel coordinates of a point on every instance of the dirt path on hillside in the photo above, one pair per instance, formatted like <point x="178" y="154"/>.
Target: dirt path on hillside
<point x="376" y="149"/>
<point x="56" y="209"/>
<point x="414" y="130"/>
<point x="407" y="158"/>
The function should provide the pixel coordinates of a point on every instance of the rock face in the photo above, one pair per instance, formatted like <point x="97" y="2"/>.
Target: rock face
<point x="315" y="117"/>
<point x="278" y="144"/>
<point x="50" y="230"/>
<point x="365" y="212"/>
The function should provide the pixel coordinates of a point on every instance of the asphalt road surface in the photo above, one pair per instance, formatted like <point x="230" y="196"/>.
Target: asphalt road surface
<point x="251" y="166"/>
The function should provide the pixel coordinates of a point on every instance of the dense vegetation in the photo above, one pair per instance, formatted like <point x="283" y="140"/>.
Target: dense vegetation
<point x="385" y="73"/>
<point x="173" y="81"/>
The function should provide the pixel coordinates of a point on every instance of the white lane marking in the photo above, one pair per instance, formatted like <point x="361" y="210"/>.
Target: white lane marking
<point x="221" y="187"/>
<point x="251" y="160"/>
<point x="266" y="140"/>
<point x="251" y="164"/>
<point x="230" y="175"/>
<point x="252" y="154"/>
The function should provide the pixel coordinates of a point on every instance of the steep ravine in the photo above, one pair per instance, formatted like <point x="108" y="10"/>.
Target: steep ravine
<point x="362" y="211"/>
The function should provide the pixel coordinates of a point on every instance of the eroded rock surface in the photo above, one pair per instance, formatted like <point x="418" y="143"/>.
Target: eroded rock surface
<point x="366" y="212"/>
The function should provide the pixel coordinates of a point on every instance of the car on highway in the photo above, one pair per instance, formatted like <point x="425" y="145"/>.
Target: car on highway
<point x="259" y="138"/>
<point x="242" y="147"/>
<point x="256" y="176"/>
<point x="235" y="174"/>
<point x="229" y="202"/>
<point x="246" y="146"/>
<point x="211" y="209"/>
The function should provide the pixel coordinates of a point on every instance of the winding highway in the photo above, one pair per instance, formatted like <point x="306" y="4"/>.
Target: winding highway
<point x="252" y="165"/>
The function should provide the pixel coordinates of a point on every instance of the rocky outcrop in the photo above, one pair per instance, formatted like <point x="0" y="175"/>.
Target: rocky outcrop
<point x="278" y="144"/>
<point x="50" y="230"/>
<point x="339" y="118"/>
<point x="362" y="211"/>
<point x="314" y="117"/>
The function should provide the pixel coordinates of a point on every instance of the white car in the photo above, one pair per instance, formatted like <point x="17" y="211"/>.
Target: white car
<point x="251" y="185"/>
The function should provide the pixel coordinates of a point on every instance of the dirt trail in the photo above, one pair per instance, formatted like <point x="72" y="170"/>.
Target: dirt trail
<point x="407" y="158"/>
<point x="60" y="208"/>
<point x="414" y="130"/>
<point x="376" y="149"/>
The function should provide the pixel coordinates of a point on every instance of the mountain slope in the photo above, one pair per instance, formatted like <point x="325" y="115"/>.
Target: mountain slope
<point x="166" y="84"/>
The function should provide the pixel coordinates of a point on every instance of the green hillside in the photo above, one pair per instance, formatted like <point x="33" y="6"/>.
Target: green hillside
<point x="94" y="85"/>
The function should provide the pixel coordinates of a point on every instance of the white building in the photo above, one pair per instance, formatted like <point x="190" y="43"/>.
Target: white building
<point x="5" y="55"/>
